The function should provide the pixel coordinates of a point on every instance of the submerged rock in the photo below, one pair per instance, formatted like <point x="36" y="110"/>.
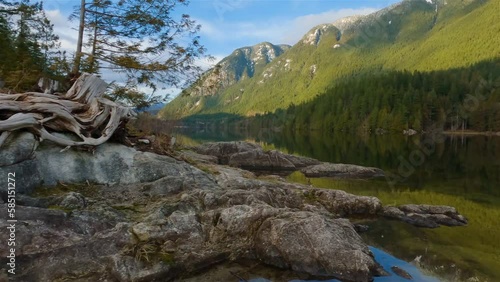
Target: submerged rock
<point x="401" y="272"/>
<point x="314" y="244"/>
<point x="425" y="215"/>
<point x="224" y="150"/>
<point x="341" y="171"/>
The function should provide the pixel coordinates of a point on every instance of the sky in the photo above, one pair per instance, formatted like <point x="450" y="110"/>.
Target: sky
<point x="231" y="24"/>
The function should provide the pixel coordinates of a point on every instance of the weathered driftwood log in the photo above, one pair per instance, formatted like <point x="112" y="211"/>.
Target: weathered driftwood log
<point x="82" y="111"/>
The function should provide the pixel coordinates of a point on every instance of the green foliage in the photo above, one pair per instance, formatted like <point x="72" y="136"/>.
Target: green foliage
<point x="457" y="99"/>
<point x="142" y="39"/>
<point x="27" y="46"/>
<point x="132" y="96"/>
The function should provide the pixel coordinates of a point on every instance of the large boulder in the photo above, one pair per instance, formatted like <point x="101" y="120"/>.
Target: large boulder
<point x="314" y="244"/>
<point x="108" y="164"/>
<point x="224" y="150"/>
<point x="19" y="147"/>
<point x="260" y="160"/>
<point x="270" y="160"/>
<point x="17" y="156"/>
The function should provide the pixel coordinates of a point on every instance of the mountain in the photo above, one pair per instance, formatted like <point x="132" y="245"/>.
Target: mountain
<point x="153" y="109"/>
<point x="414" y="35"/>
<point x="242" y="64"/>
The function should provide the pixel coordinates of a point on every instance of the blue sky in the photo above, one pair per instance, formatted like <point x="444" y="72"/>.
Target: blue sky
<point x="231" y="24"/>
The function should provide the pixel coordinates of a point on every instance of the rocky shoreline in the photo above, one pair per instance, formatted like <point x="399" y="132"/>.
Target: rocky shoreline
<point x="117" y="214"/>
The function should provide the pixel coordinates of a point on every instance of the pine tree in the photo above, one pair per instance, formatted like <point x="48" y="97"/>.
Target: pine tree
<point x="143" y="39"/>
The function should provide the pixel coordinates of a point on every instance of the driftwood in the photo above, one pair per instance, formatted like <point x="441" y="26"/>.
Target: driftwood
<point x="82" y="111"/>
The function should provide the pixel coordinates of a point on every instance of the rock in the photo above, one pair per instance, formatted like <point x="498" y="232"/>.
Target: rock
<point x="342" y="171"/>
<point x="310" y="243"/>
<point x="26" y="172"/>
<point x="260" y="160"/>
<point x="401" y="272"/>
<point x="149" y="218"/>
<point x="425" y="215"/>
<point x="192" y="157"/>
<point x="345" y="204"/>
<point x="223" y="150"/>
<point x="300" y="162"/>
<point x="16" y="156"/>
<point x="360" y="228"/>
<point x="108" y="164"/>
<point x="252" y="156"/>
<point x="19" y="147"/>
<point x="73" y="201"/>
<point x="144" y="141"/>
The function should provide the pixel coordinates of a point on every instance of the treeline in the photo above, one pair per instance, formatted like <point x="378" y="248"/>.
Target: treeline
<point x="28" y="46"/>
<point x="457" y="99"/>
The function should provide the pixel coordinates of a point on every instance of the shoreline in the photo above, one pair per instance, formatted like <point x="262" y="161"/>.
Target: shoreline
<point x="470" y="133"/>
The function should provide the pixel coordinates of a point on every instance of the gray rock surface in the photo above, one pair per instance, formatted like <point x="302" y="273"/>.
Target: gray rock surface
<point x="252" y="157"/>
<point x="109" y="164"/>
<point x="307" y="242"/>
<point x="260" y="160"/>
<point x="19" y="146"/>
<point x="16" y="156"/>
<point x="224" y="150"/>
<point x="341" y="171"/>
<point x="425" y="215"/>
<point x="143" y="217"/>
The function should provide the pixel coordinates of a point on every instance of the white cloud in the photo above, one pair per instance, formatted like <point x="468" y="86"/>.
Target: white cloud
<point x="68" y="35"/>
<point x="274" y="30"/>
<point x="301" y="25"/>
<point x="206" y="63"/>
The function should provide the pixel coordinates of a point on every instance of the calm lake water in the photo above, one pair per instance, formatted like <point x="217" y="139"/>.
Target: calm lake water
<point x="459" y="171"/>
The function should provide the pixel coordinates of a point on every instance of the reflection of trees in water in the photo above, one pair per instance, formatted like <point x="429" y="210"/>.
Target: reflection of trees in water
<point x="460" y="164"/>
<point x="471" y="164"/>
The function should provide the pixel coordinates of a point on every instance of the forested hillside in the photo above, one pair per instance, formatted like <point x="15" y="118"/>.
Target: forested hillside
<point x="456" y="99"/>
<point x="414" y="35"/>
<point x="244" y="63"/>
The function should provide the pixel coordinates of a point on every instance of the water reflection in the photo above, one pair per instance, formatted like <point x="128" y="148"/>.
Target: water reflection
<point x="463" y="172"/>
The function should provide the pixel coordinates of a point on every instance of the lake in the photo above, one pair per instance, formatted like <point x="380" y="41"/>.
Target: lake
<point x="460" y="171"/>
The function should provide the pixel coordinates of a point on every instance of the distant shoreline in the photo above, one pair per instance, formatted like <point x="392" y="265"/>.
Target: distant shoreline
<point x="471" y="133"/>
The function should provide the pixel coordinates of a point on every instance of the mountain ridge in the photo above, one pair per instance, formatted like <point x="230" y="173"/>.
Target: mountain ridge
<point x="410" y="35"/>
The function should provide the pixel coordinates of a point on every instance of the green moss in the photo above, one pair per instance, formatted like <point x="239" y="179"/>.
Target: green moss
<point x="87" y="190"/>
<point x="167" y="258"/>
<point x="207" y="169"/>
<point x="310" y="197"/>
